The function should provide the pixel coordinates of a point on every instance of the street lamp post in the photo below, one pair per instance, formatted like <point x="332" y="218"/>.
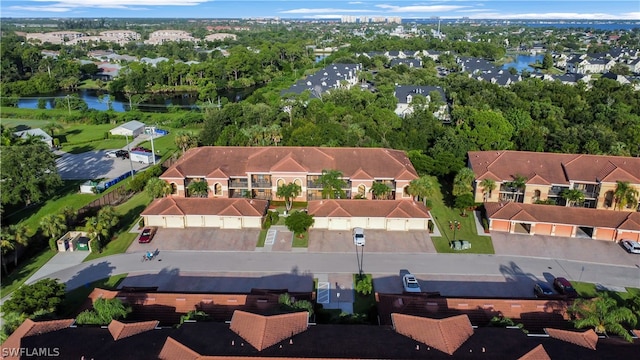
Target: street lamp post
<point x="360" y="259"/>
<point x="129" y="152"/>
<point x="456" y="224"/>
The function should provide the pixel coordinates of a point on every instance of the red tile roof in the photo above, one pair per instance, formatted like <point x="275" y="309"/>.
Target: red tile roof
<point x="552" y="168"/>
<point x="587" y="339"/>
<point x="173" y="349"/>
<point x="32" y="328"/>
<point x="120" y="330"/>
<point x="368" y="208"/>
<point x="446" y="335"/>
<point x="206" y="206"/>
<point x="364" y="163"/>
<point x="563" y="215"/>
<point x="264" y="331"/>
<point x="538" y="353"/>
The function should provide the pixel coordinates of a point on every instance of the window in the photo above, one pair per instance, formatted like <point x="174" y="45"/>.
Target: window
<point x="405" y="191"/>
<point x="280" y="182"/>
<point x="217" y="189"/>
<point x="362" y="191"/>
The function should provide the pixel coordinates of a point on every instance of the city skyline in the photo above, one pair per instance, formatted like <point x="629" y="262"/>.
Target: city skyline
<point x="291" y="9"/>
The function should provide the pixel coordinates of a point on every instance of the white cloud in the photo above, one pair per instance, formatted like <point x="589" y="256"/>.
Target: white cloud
<point x="355" y="2"/>
<point x="420" y="8"/>
<point x="117" y="4"/>
<point x="559" y="16"/>
<point x="320" y="11"/>
<point x="41" y="8"/>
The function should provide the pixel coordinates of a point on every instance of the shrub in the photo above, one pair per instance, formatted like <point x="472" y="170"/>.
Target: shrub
<point x="364" y="285"/>
<point x="273" y="216"/>
<point x="95" y="245"/>
<point x="104" y="311"/>
<point x="53" y="245"/>
<point x="196" y="315"/>
<point x="267" y="223"/>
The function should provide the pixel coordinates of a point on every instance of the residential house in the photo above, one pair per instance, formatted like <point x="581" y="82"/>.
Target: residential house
<point x="220" y="36"/>
<point x="257" y="172"/>
<point x="580" y="65"/>
<point x="162" y="36"/>
<point x="56" y="37"/>
<point x="634" y="65"/>
<point x="411" y="63"/>
<point x="405" y="95"/>
<point x="623" y="80"/>
<point x="334" y="76"/>
<point x="37" y="132"/>
<point x="132" y="128"/>
<point x="548" y="175"/>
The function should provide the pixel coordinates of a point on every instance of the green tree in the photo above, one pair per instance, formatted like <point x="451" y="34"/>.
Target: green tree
<point x="53" y="226"/>
<point x="380" y="190"/>
<point x="18" y="235"/>
<point x="44" y="295"/>
<point x="462" y="182"/>
<point x="104" y="311"/>
<point x="332" y="184"/>
<point x="185" y="141"/>
<point x="573" y="196"/>
<point x="604" y="315"/>
<point x="157" y="188"/>
<point x="624" y="194"/>
<point x="289" y="192"/>
<point x="487" y="185"/>
<point x="52" y="128"/>
<point x="517" y="185"/>
<point x="463" y="202"/>
<point x="299" y="222"/>
<point x="547" y="61"/>
<point x="29" y="174"/>
<point x="423" y="188"/>
<point x="364" y="285"/>
<point x="101" y="226"/>
<point x="198" y="188"/>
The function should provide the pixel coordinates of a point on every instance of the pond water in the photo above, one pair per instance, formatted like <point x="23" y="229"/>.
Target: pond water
<point x="155" y="103"/>
<point x="521" y="62"/>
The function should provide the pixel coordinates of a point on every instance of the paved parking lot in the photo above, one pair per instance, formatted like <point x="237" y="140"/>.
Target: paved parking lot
<point x="376" y="241"/>
<point x="577" y="249"/>
<point x="207" y="239"/>
<point x="93" y="165"/>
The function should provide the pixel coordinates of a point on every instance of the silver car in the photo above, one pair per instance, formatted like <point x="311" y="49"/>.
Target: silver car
<point x="631" y="246"/>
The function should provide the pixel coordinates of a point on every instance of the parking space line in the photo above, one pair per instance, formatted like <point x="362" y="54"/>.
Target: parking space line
<point x="324" y="291"/>
<point x="271" y="237"/>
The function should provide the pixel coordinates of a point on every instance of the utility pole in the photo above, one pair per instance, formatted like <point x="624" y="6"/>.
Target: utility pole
<point x="129" y="153"/>
<point x="69" y="104"/>
<point x="153" y="150"/>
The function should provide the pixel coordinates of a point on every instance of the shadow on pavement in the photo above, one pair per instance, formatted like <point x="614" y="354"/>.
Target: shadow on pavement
<point x="89" y="274"/>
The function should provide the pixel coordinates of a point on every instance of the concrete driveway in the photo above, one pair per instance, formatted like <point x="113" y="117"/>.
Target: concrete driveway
<point x="93" y="165"/>
<point x="60" y="261"/>
<point x="207" y="239"/>
<point x="376" y="241"/>
<point x="554" y="247"/>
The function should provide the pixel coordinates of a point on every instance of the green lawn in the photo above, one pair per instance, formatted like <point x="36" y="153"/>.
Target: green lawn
<point x="588" y="290"/>
<point x="130" y="214"/>
<point x="26" y="268"/>
<point x="442" y="214"/>
<point x="262" y="237"/>
<point x="301" y="242"/>
<point x="76" y="297"/>
<point x="363" y="303"/>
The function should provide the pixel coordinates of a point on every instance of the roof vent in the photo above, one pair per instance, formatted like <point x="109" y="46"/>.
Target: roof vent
<point x="251" y="201"/>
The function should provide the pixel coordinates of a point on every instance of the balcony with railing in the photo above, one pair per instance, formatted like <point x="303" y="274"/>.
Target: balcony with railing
<point x="261" y="181"/>
<point x="590" y="191"/>
<point x="238" y="183"/>
<point x="557" y="190"/>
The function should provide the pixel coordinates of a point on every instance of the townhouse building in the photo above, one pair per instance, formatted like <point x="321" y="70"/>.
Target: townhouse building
<point x="405" y="95"/>
<point x="162" y="36"/>
<point x="334" y="76"/>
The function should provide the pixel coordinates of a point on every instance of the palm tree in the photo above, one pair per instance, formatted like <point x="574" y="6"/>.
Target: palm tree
<point x="379" y="190"/>
<point x="518" y="183"/>
<point x="53" y="225"/>
<point x="462" y="183"/>
<point x="157" y="188"/>
<point x="289" y="192"/>
<point x="198" y="188"/>
<point x="52" y="127"/>
<point x="624" y="194"/>
<point x="422" y="187"/>
<point x="487" y="185"/>
<point x="185" y="141"/>
<point x="604" y="315"/>
<point x="102" y="225"/>
<point x="332" y="184"/>
<point x="20" y="236"/>
<point x="573" y="196"/>
<point x="7" y="244"/>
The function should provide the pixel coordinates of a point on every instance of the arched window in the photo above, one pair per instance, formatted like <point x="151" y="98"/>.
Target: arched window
<point x="405" y="191"/>
<point x="362" y="190"/>
<point x="174" y="188"/>
<point x="217" y="189"/>
<point x="298" y="182"/>
<point x="536" y="195"/>
<point x="280" y="182"/>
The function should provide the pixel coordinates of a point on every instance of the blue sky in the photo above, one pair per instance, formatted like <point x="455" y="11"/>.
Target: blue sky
<point x="314" y="9"/>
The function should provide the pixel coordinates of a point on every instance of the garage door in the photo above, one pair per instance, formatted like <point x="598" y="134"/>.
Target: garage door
<point x="195" y="220"/>
<point x="628" y="235"/>
<point x="232" y="223"/>
<point x="154" y="221"/>
<point x="396" y="224"/>
<point x="339" y="224"/>
<point x="174" y="221"/>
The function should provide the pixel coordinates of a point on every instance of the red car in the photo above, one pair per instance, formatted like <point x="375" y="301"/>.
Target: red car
<point x="141" y="149"/>
<point x="147" y="235"/>
<point x="564" y="287"/>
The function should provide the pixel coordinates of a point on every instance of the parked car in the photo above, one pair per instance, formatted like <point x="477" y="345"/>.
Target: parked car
<point x="460" y="245"/>
<point x="410" y="283"/>
<point x="147" y="235"/>
<point x="541" y="289"/>
<point x="358" y="236"/>
<point x="631" y="246"/>
<point x="111" y="154"/>
<point x="124" y="154"/>
<point x="564" y="287"/>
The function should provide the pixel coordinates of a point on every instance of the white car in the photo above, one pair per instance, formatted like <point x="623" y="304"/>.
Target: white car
<point x="631" y="246"/>
<point x="358" y="236"/>
<point x="111" y="154"/>
<point x="410" y="284"/>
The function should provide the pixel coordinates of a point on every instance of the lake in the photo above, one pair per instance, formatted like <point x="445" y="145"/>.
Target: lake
<point x="155" y="103"/>
<point x="521" y="62"/>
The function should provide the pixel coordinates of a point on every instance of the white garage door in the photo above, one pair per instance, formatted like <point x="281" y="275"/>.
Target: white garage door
<point x="339" y="224"/>
<point x="174" y="221"/>
<point x="195" y="220"/>
<point x="154" y="221"/>
<point x="232" y="223"/>
<point x="396" y="224"/>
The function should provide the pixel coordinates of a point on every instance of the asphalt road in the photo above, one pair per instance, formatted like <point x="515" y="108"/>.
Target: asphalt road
<point x="457" y="267"/>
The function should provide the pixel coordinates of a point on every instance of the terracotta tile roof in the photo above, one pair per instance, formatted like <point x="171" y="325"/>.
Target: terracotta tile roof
<point x="587" y="339"/>
<point x="120" y="330"/>
<point x="538" y="353"/>
<point x="446" y="335"/>
<point x="264" y="331"/>
<point x="636" y="332"/>
<point x="206" y="206"/>
<point x="173" y="349"/>
<point x="32" y="328"/>
<point x="552" y="168"/>
<point x="563" y="215"/>
<point x="238" y="161"/>
<point x="368" y="208"/>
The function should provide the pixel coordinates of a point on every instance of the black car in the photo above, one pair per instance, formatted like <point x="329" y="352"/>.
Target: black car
<point x="124" y="154"/>
<point x="541" y="289"/>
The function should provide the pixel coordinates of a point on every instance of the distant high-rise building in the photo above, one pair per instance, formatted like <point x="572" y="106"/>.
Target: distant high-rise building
<point x="348" y="19"/>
